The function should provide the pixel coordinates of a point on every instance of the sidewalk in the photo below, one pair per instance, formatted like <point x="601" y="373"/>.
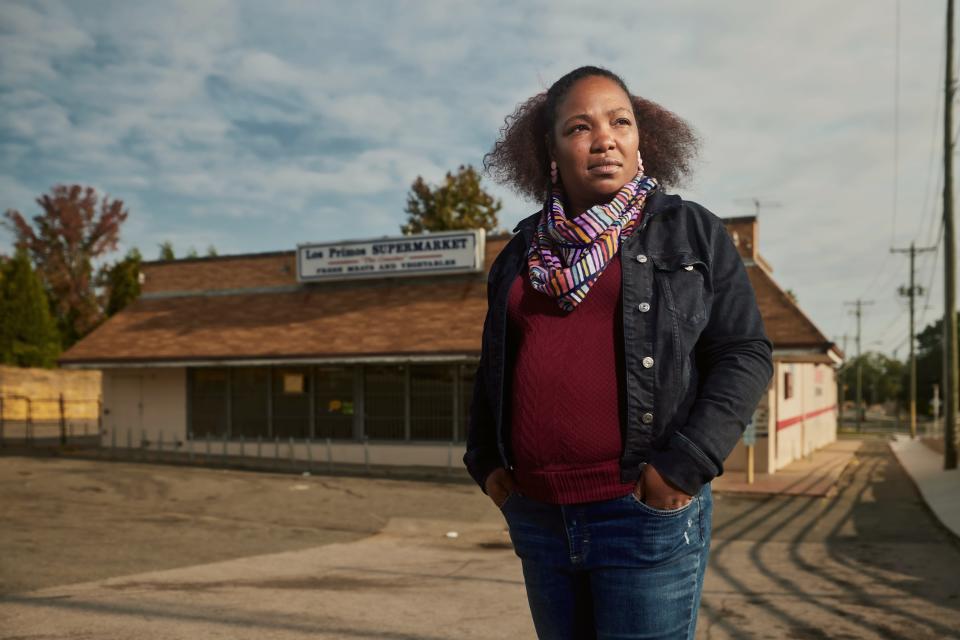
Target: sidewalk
<point x="814" y="476"/>
<point x="940" y="489"/>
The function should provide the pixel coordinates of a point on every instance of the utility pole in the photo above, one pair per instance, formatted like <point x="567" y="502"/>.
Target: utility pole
<point x="949" y="263"/>
<point x="912" y="292"/>
<point x="859" y="304"/>
<point x="841" y="391"/>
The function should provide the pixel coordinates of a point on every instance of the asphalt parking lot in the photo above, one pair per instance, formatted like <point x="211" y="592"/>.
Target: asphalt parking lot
<point x="96" y="549"/>
<point x="71" y="520"/>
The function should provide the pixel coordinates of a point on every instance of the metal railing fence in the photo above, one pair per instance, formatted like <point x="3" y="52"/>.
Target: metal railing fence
<point x="30" y="420"/>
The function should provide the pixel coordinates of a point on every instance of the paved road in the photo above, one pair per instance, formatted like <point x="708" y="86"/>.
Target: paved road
<point x="868" y="562"/>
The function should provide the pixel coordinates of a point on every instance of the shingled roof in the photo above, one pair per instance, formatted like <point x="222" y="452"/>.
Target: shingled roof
<point x="251" y="308"/>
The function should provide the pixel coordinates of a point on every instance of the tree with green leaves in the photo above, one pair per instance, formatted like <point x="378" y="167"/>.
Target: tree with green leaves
<point x="930" y="365"/>
<point x="28" y="333"/>
<point x="459" y="203"/>
<point x="166" y="251"/>
<point x="884" y="378"/>
<point x="121" y="281"/>
<point x="74" y="229"/>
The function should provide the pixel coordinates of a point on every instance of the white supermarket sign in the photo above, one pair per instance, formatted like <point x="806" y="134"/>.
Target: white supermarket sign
<point x="419" y="255"/>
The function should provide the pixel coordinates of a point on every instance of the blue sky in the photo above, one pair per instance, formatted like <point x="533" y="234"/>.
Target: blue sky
<point x="255" y="126"/>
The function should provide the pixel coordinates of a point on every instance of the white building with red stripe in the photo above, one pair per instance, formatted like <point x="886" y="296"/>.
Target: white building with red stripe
<point x="798" y="414"/>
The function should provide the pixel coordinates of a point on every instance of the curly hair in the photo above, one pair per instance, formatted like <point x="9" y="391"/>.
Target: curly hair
<point x="519" y="159"/>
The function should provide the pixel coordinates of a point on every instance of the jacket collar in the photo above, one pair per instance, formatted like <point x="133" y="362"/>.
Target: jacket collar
<point x="657" y="203"/>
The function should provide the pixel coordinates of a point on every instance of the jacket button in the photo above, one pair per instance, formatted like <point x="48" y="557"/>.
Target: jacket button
<point x="647" y="362"/>
<point x="644" y="307"/>
<point x="647" y="418"/>
<point x="641" y="258"/>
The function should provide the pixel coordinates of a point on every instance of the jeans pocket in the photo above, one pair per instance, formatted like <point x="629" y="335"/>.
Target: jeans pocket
<point x="507" y="500"/>
<point x="661" y="512"/>
<point x="661" y="536"/>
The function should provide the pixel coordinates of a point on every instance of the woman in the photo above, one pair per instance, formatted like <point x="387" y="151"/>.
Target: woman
<point x="623" y="353"/>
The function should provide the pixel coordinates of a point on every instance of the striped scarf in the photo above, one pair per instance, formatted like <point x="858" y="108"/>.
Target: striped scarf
<point x="567" y="256"/>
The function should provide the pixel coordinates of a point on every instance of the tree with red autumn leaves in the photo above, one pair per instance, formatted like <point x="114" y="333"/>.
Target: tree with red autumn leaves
<point x="63" y="241"/>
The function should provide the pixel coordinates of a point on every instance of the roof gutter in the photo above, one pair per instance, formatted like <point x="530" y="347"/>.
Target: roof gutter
<point x="255" y="362"/>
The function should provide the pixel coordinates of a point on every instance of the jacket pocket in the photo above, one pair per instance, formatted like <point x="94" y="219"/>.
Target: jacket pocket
<point x="683" y="276"/>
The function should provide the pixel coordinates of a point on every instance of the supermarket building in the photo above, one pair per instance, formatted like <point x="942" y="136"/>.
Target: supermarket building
<point x="370" y="347"/>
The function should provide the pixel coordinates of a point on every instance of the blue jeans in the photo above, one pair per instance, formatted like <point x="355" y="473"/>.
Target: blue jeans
<point x="613" y="569"/>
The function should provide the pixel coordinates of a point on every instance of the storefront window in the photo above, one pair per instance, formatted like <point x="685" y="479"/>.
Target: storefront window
<point x="208" y="402"/>
<point x="249" y="402"/>
<point x="291" y="402"/>
<point x="384" y="401"/>
<point x="334" y="402"/>
<point x="252" y="399"/>
<point x="431" y="402"/>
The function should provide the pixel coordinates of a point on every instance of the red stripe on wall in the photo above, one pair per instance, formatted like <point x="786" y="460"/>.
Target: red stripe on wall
<point x="789" y="422"/>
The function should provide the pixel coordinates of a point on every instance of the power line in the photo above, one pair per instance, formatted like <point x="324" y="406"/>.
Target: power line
<point x="896" y="127"/>
<point x="873" y="283"/>
<point x="933" y="273"/>
<point x="893" y="322"/>
<point x="900" y="344"/>
<point x="935" y="207"/>
<point x="933" y="153"/>
<point x="935" y="210"/>
<point x="934" y="217"/>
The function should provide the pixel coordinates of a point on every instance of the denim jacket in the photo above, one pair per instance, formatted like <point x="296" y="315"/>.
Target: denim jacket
<point x="697" y="357"/>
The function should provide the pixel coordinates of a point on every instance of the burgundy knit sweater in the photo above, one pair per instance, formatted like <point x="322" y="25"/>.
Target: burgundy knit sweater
<point x="568" y="391"/>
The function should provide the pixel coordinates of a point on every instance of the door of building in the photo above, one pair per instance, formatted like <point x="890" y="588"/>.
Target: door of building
<point x="123" y="407"/>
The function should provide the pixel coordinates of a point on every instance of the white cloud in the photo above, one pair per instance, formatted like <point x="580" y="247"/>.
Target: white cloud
<point x="16" y="194"/>
<point x="52" y="36"/>
<point x="260" y="68"/>
<point x="212" y="112"/>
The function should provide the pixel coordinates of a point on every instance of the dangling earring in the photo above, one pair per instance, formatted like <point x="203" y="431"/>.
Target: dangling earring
<point x="639" y="163"/>
<point x="553" y="171"/>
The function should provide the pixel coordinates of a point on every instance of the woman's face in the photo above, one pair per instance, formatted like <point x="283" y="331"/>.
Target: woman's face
<point x="595" y="141"/>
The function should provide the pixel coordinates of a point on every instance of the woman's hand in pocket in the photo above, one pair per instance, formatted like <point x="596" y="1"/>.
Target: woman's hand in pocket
<point x="499" y="485"/>
<point x="654" y="491"/>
